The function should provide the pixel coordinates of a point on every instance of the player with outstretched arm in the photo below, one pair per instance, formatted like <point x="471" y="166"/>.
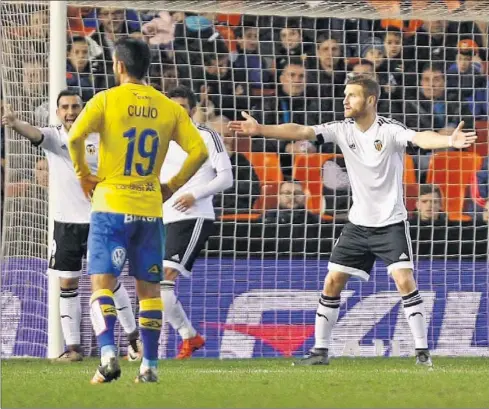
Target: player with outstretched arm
<point x="189" y="218"/>
<point x="373" y="148"/>
<point x="71" y="223"/>
<point x="136" y="124"/>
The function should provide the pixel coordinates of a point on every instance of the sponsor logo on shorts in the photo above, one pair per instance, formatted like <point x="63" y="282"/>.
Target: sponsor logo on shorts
<point x="118" y="257"/>
<point x="129" y="218"/>
<point x="155" y="269"/>
<point x="176" y="257"/>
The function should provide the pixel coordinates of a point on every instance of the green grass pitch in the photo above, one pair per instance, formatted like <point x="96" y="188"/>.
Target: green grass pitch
<point x="258" y="383"/>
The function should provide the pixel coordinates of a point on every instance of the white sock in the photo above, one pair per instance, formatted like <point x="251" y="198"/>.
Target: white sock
<point x="416" y="317"/>
<point x="70" y="313"/>
<point x="123" y="306"/>
<point x="174" y="313"/>
<point x="326" y="317"/>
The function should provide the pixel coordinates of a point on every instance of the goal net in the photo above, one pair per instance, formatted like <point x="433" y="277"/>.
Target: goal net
<point x="254" y="289"/>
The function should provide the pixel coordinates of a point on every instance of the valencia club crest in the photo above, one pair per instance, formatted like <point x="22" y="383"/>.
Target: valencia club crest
<point x="378" y="145"/>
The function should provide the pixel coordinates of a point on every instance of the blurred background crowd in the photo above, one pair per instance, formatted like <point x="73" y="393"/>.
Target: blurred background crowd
<point x="289" y="198"/>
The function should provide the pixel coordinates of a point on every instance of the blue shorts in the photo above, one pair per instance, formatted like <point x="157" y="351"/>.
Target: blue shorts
<point x="114" y="237"/>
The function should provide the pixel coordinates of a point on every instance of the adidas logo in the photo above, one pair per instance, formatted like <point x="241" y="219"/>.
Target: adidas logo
<point x="403" y="257"/>
<point x="176" y="257"/>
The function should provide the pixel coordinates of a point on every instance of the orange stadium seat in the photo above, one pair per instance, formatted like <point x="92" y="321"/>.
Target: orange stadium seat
<point x="482" y="144"/>
<point x="452" y="172"/>
<point x="409" y="170"/>
<point x="268" y="170"/>
<point x="266" y="166"/>
<point x="241" y="217"/>
<point x="411" y="192"/>
<point x="308" y="170"/>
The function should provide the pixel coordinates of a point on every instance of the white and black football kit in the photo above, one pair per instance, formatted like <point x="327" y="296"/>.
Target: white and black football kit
<point x="187" y="232"/>
<point x="71" y="207"/>
<point x="378" y="224"/>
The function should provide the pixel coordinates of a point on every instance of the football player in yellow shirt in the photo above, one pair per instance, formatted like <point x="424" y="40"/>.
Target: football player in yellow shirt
<point x="136" y="124"/>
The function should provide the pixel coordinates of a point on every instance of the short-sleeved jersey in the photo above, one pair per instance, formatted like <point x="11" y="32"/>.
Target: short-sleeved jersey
<point x="70" y="204"/>
<point x="218" y="161"/>
<point x="136" y="124"/>
<point x="375" y="163"/>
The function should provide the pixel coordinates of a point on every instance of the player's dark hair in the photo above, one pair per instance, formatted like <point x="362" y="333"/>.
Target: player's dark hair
<point x="209" y="58"/>
<point x="393" y="30"/>
<point x="368" y="83"/>
<point x="428" y="190"/>
<point x="434" y="67"/>
<point x="294" y="60"/>
<point x="77" y="39"/>
<point x="184" y="92"/>
<point x="67" y="93"/>
<point x="135" y="55"/>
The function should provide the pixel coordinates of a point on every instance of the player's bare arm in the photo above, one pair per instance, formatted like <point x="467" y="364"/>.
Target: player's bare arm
<point x="433" y="140"/>
<point x="24" y="128"/>
<point x="286" y="132"/>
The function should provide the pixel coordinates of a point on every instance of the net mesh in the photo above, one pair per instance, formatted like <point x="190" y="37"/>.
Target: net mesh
<point x="254" y="288"/>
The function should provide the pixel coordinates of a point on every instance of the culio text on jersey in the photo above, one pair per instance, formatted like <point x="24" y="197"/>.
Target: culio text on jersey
<point x="144" y="112"/>
<point x="130" y="218"/>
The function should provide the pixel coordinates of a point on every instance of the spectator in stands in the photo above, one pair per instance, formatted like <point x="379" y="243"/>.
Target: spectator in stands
<point x="78" y="68"/>
<point x="328" y="78"/>
<point x="112" y="26"/>
<point x="38" y="33"/>
<point x="400" y="70"/>
<point x="435" y="41"/>
<point x="249" y="67"/>
<point x="246" y="187"/>
<point x="291" y="206"/>
<point x="42" y="173"/>
<point x="219" y="87"/>
<point x="466" y="76"/>
<point x="169" y="77"/>
<point x="195" y="37"/>
<point x="429" y="206"/>
<point x="373" y="51"/>
<point x="291" y="104"/>
<point x="435" y="107"/>
<point x="35" y="105"/>
<point x="292" y="44"/>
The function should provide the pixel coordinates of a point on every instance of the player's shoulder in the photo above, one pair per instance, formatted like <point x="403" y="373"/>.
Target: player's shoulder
<point x="210" y="137"/>
<point x="52" y="129"/>
<point x="390" y="124"/>
<point x="344" y="122"/>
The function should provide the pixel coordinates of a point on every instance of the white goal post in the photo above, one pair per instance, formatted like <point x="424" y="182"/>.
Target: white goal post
<point x="45" y="339"/>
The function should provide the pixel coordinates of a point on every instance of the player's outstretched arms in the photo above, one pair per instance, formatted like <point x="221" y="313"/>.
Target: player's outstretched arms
<point x="25" y="129"/>
<point x="433" y="140"/>
<point x="287" y="132"/>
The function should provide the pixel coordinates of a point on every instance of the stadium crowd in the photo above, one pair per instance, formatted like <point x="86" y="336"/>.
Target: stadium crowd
<point x="287" y="197"/>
